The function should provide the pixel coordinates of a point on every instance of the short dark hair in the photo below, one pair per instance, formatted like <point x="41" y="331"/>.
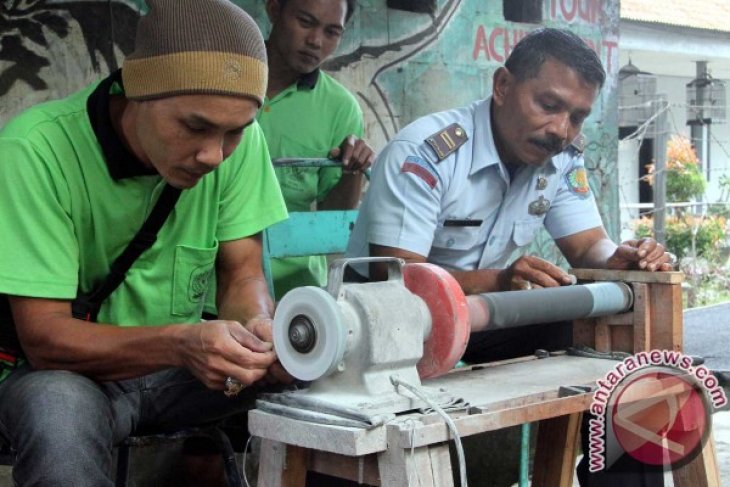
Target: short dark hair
<point x="351" y="4"/>
<point x="562" y="45"/>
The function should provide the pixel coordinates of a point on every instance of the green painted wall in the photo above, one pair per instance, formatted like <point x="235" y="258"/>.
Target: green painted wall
<point x="400" y="64"/>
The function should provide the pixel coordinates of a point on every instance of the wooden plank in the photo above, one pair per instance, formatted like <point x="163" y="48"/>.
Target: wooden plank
<point x="584" y="332"/>
<point x="603" y="338"/>
<point x="281" y="465"/>
<point x="614" y="320"/>
<point x="665" y="316"/>
<point x="336" y="439"/>
<point x="402" y="468"/>
<point x="511" y="381"/>
<point x="441" y="469"/>
<point x="628" y="276"/>
<point x="555" y="452"/>
<point x="362" y="469"/>
<point x="295" y="466"/>
<point x="642" y="318"/>
<point x="491" y="418"/>
<point x="702" y="471"/>
<point x="622" y="339"/>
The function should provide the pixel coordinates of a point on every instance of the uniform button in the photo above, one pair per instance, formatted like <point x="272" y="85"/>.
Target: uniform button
<point x="491" y="240"/>
<point x="450" y="242"/>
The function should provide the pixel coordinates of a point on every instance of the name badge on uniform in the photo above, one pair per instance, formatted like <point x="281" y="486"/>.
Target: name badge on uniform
<point x="539" y="207"/>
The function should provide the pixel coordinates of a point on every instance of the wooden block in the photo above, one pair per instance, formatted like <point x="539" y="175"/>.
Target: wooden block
<point x="441" y="465"/>
<point x="362" y="469"/>
<point x="400" y="467"/>
<point x="703" y="471"/>
<point x="622" y="339"/>
<point x="584" y="332"/>
<point x="642" y="318"/>
<point x="665" y="305"/>
<point x="281" y="465"/>
<point x="557" y="439"/>
<point x="628" y="276"/>
<point x="603" y="338"/>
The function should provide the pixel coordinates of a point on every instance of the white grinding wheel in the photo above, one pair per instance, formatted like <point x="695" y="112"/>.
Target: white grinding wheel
<point x="312" y="317"/>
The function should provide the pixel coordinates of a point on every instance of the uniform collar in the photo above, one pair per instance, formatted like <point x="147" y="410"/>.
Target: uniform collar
<point x="119" y="160"/>
<point x="309" y="80"/>
<point x="485" y="153"/>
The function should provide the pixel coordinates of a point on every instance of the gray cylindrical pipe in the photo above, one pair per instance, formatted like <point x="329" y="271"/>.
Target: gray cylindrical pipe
<point x="519" y="308"/>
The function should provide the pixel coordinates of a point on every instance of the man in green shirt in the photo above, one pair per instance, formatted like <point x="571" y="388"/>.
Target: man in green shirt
<point x="79" y="177"/>
<point x="307" y="113"/>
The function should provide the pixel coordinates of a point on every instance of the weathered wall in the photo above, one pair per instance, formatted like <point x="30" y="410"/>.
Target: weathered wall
<point x="400" y="64"/>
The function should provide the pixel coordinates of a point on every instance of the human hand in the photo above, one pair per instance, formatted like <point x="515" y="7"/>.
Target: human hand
<point x="262" y="328"/>
<point x="217" y="349"/>
<point x="355" y="154"/>
<point x="530" y="272"/>
<point x="645" y="254"/>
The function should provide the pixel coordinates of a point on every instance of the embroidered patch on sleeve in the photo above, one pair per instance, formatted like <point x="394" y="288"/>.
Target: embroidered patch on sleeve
<point x="416" y="165"/>
<point x="577" y="180"/>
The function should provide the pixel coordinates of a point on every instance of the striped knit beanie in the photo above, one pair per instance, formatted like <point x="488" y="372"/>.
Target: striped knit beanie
<point x="196" y="47"/>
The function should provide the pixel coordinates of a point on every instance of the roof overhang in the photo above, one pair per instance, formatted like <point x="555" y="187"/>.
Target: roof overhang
<point x="671" y="50"/>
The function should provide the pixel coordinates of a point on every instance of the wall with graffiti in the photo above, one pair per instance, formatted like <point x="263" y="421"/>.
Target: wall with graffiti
<point x="402" y="59"/>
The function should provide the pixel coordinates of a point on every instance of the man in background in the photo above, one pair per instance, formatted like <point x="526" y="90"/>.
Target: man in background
<point x="307" y="113"/>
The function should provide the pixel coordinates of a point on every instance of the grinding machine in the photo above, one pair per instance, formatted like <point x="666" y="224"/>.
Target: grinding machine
<point x="352" y="343"/>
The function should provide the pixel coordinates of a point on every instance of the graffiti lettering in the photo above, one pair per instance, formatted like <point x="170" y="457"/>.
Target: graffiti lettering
<point x="590" y="11"/>
<point x="498" y="44"/>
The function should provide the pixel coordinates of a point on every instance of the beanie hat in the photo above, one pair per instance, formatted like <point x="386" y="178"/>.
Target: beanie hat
<point x="196" y="47"/>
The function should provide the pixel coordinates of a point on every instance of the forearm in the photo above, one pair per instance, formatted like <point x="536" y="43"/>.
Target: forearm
<point x="596" y="256"/>
<point x="243" y="298"/>
<point x="478" y="281"/>
<point x="346" y="194"/>
<point x="101" y="351"/>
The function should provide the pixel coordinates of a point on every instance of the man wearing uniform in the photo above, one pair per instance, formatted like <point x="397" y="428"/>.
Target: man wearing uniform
<point x="467" y="187"/>
<point x="80" y="177"/>
<point x="307" y="113"/>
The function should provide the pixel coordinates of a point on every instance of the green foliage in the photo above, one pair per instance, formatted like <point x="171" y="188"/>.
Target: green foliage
<point x="708" y="233"/>
<point x="685" y="183"/>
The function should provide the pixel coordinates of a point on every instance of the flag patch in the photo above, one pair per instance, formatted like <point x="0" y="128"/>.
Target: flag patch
<point x="417" y="166"/>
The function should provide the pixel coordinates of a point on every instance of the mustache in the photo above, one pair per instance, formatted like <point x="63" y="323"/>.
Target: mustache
<point x="550" y="143"/>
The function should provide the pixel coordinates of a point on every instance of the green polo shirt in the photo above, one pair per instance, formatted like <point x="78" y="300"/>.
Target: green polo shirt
<point x="307" y="119"/>
<point x="72" y="198"/>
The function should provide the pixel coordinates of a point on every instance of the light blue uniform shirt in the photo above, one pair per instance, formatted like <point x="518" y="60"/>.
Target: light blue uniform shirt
<point x="463" y="212"/>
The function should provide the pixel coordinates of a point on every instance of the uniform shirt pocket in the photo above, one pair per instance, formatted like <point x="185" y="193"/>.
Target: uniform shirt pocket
<point x="194" y="269"/>
<point x="455" y="247"/>
<point x="525" y="230"/>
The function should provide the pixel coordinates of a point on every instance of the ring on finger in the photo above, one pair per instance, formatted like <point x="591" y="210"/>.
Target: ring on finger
<point x="232" y="387"/>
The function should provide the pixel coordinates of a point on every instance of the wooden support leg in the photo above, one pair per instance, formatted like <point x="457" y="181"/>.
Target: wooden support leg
<point x="282" y="465"/>
<point x="427" y="466"/>
<point x="557" y="439"/>
<point x="702" y="471"/>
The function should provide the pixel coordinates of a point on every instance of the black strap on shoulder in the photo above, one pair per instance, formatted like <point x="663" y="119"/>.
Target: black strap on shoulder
<point x="86" y="306"/>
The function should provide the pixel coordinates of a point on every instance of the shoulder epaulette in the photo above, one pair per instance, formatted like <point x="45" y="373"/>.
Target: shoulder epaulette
<point x="447" y="140"/>
<point x="579" y="143"/>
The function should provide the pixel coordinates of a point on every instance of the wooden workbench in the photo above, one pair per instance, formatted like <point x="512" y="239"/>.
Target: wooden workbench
<point x="413" y="448"/>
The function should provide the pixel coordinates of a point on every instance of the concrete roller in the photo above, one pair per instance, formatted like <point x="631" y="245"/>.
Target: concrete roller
<point x="507" y="309"/>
